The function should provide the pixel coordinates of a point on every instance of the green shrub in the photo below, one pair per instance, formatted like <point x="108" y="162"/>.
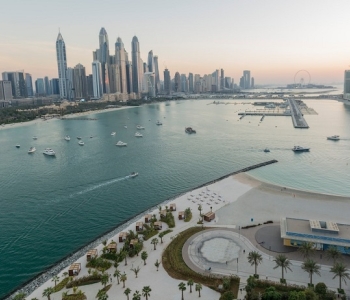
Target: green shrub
<point x="166" y="231"/>
<point x="85" y="280"/>
<point x="112" y="256"/>
<point x="341" y="291"/>
<point x="227" y="296"/>
<point x="74" y="297"/>
<point x="99" y="264"/>
<point x="169" y="219"/>
<point x="60" y="285"/>
<point x="105" y="289"/>
<point x="279" y="287"/>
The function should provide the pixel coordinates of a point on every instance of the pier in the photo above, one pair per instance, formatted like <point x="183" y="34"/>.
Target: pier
<point x="264" y="113"/>
<point x="80" y="119"/>
<point x="297" y="116"/>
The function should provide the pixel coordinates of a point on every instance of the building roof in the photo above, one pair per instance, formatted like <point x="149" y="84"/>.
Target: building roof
<point x="75" y="266"/>
<point x="209" y="214"/>
<point x="103" y="31"/>
<point x="135" y="39"/>
<point x="92" y="252"/>
<point x="59" y="37"/>
<point x="112" y="245"/>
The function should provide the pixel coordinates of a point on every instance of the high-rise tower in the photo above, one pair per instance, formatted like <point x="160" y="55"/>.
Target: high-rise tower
<point x="156" y="72"/>
<point x="167" y="82"/>
<point x="121" y="62"/>
<point x="103" y="58"/>
<point x="62" y="65"/>
<point x="136" y="65"/>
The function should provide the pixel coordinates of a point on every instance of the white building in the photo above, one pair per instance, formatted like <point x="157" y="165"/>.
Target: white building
<point x="97" y="79"/>
<point x="62" y="66"/>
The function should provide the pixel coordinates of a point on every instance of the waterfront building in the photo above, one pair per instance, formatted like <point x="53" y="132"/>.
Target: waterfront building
<point x="215" y="81"/>
<point x="40" y="87"/>
<point x="120" y="60"/>
<point x="29" y="85"/>
<point x="79" y="82"/>
<point x="136" y="65"/>
<point x="323" y="234"/>
<point x="246" y="82"/>
<point x="241" y="82"/>
<point x="167" y="82"/>
<point x="5" y="90"/>
<point x="177" y="82"/>
<point x="228" y="82"/>
<point x="18" y="84"/>
<point x="156" y="72"/>
<point x="151" y="69"/>
<point x="89" y="86"/>
<point x="114" y="78"/>
<point x="197" y="84"/>
<point x="346" y="94"/>
<point x="252" y="83"/>
<point x="54" y="84"/>
<point x="102" y="55"/>
<point x="70" y="84"/>
<point x="97" y="80"/>
<point x="62" y="66"/>
<point x="190" y="82"/>
<point x="47" y="86"/>
<point x="183" y="83"/>
<point x="129" y="81"/>
<point x="149" y="87"/>
<point x="222" y="79"/>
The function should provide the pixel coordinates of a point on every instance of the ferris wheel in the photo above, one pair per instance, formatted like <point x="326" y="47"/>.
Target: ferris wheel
<point x="302" y="78"/>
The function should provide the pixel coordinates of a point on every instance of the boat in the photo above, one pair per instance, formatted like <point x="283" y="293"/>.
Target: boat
<point x="35" y="137"/>
<point x="139" y="127"/>
<point x="49" y="151"/>
<point x="121" y="144"/>
<point x="189" y="130"/>
<point x="67" y="138"/>
<point x="79" y="137"/>
<point x="134" y="174"/>
<point x="31" y="150"/>
<point x="300" y="149"/>
<point x="159" y="123"/>
<point x="125" y="126"/>
<point x="137" y="134"/>
<point x="333" y="138"/>
<point x="113" y="133"/>
<point x="18" y="146"/>
<point x="81" y="143"/>
<point x="91" y="136"/>
<point x="266" y="150"/>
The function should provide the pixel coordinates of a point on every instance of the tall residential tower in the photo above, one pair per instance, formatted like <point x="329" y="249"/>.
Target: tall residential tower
<point x="62" y="65"/>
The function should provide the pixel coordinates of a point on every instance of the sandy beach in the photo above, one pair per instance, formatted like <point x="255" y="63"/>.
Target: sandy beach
<point x="236" y="200"/>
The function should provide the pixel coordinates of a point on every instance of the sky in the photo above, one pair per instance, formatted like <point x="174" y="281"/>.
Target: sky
<point x="274" y="39"/>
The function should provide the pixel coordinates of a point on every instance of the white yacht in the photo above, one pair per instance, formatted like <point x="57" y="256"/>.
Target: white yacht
<point x="333" y="138"/>
<point x="35" y="138"/>
<point x="18" y="146"/>
<point x="159" y="123"/>
<point x="125" y="126"/>
<point x="49" y="151"/>
<point x="139" y="127"/>
<point x="81" y="143"/>
<point x="137" y="134"/>
<point x="113" y="133"/>
<point x="31" y="150"/>
<point x="134" y="174"/>
<point x="67" y="138"/>
<point x="121" y="144"/>
<point x="300" y="149"/>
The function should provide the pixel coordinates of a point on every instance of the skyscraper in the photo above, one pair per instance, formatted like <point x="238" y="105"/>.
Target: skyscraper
<point x="151" y="68"/>
<point x="121" y="62"/>
<point x="29" y="85"/>
<point x="183" y="83"/>
<point x="190" y="82"/>
<point x="177" y="81"/>
<point x="40" y="87"/>
<point x="70" y="84"/>
<point x="62" y="66"/>
<point x="346" y="94"/>
<point x="103" y="58"/>
<point x="55" y="87"/>
<point x="97" y="79"/>
<point x="222" y="79"/>
<point x="136" y="67"/>
<point x="79" y="82"/>
<point x="129" y="81"/>
<point x="47" y="86"/>
<point x="167" y="82"/>
<point x="252" y="83"/>
<point x="156" y="72"/>
<point x="18" y="84"/>
<point x="5" y="90"/>
<point x="246" y="76"/>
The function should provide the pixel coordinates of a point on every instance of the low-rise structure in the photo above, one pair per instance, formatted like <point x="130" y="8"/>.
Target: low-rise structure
<point x="91" y="254"/>
<point x="209" y="216"/>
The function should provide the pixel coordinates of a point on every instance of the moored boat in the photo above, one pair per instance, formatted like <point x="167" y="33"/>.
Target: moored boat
<point x="31" y="150"/>
<point x="67" y="138"/>
<point x="300" y="149"/>
<point x="139" y="127"/>
<point x="18" y="146"/>
<point x="189" y="130"/>
<point x="159" y="123"/>
<point x="333" y="138"/>
<point x="81" y="143"/>
<point x="137" y="134"/>
<point x="49" y="152"/>
<point x="121" y="144"/>
<point x="266" y="150"/>
<point x="134" y="174"/>
<point x="113" y="133"/>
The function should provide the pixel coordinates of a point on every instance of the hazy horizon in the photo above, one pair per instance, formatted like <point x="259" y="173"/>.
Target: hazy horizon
<point x="273" y="39"/>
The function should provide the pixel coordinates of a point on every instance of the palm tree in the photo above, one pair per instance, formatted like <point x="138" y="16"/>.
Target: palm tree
<point x="283" y="262"/>
<point x="117" y="274"/>
<point x="55" y="279"/>
<point x="311" y="267"/>
<point x="123" y="278"/>
<point x="333" y="253"/>
<point x="136" y="296"/>
<point x="64" y="295"/>
<point x="75" y="288"/>
<point x="339" y="270"/>
<point x="146" y="292"/>
<point x="182" y="288"/>
<point x="20" y="296"/>
<point x="104" y="279"/>
<point x="254" y="258"/>
<point x="198" y="289"/>
<point x="47" y="292"/>
<point x="138" y="248"/>
<point x="157" y="264"/>
<point x="144" y="256"/>
<point x="306" y="249"/>
<point x="136" y="270"/>
<point x="200" y="210"/>
<point x="102" y="295"/>
<point x="190" y="283"/>
<point x="127" y="292"/>
<point x="124" y="254"/>
<point x="161" y="237"/>
<point x="154" y="242"/>
<point x="65" y="274"/>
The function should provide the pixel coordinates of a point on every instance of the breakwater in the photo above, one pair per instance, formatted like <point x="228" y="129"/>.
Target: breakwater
<point x="29" y="286"/>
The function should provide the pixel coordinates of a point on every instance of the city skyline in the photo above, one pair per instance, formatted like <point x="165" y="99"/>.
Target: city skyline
<point x="272" y="39"/>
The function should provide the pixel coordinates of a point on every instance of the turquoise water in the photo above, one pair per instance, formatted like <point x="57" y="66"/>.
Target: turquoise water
<point x="50" y="206"/>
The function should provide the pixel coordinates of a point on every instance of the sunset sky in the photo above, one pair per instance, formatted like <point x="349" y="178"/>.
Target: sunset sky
<point x="272" y="38"/>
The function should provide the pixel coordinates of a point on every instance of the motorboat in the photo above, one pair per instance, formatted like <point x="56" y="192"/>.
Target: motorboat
<point x="134" y="174"/>
<point x="18" y="146"/>
<point x="49" y="151"/>
<point x="300" y="149"/>
<point x="79" y="137"/>
<point x="266" y="150"/>
<point x="91" y="136"/>
<point x="125" y="126"/>
<point x="121" y="144"/>
<point x="333" y="138"/>
<point x="81" y="143"/>
<point x="35" y="137"/>
<point x="189" y="130"/>
<point x="139" y="127"/>
<point x="31" y="150"/>
<point x="137" y="134"/>
<point x="159" y="123"/>
<point x="67" y="138"/>
<point x="113" y="133"/>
